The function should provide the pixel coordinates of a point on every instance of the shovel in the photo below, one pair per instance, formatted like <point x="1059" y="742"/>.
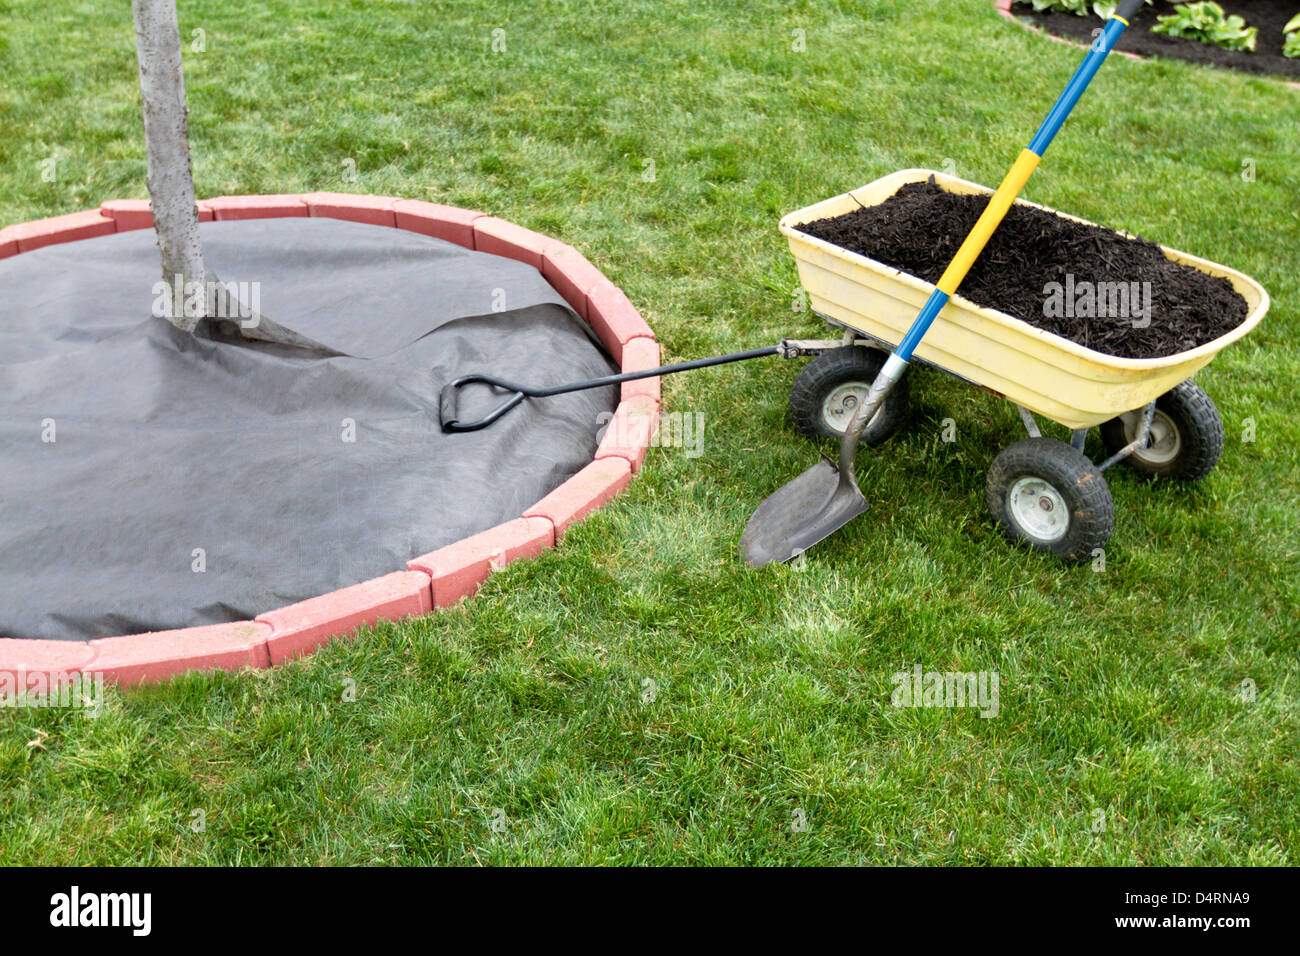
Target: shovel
<point x="825" y="497"/>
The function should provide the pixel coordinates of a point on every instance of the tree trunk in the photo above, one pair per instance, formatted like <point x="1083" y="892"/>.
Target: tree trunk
<point x="167" y="146"/>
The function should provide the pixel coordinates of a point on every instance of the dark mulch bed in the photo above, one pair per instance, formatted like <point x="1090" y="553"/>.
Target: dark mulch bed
<point x="1269" y="15"/>
<point x="919" y="229"/>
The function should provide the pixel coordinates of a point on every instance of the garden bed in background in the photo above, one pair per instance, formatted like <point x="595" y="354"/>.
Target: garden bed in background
<point x="1268" y="15"/>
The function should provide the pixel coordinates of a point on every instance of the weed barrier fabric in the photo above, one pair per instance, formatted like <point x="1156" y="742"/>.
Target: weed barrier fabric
<point x="1057" y="274"/>
<point x="151" y="479"/>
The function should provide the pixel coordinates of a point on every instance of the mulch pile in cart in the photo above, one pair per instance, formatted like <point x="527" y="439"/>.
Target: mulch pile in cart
<point x="1112" y="293"/>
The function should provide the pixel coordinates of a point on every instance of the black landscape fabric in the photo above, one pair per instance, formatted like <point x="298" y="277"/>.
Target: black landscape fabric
<point x="1036" y="261"/>
<point x="151" y="479"/>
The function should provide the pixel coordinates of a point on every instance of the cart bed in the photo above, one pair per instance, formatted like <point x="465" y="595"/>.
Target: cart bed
<point x="1046" y="373"/>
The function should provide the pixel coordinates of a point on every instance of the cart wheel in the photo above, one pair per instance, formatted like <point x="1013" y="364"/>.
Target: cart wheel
<point x="833" y="384"/>
<point x="1050" y="496"/>
<point x="1186" y="435"/>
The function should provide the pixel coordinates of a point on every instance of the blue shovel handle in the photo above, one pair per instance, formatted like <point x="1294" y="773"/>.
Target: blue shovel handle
<point x="983" y="230"/>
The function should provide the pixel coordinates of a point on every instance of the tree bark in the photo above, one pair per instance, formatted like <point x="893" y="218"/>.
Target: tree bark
<point x="167" y="147"/>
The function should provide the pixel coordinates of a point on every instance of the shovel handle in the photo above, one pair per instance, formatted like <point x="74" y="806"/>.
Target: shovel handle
<point x="1127" y="10"/>
<point x="1015" y="180"/>
<point x="779" y="530"/>
<point x="984" y="228"/>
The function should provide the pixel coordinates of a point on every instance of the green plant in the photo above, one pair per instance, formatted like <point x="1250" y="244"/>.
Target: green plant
<point x="1207" y="23"/>
<point x="1078" y="7"/>
<point x="1292" y="31"/>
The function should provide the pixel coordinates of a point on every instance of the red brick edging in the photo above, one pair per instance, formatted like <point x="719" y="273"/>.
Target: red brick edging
<point x="435" y="580"/>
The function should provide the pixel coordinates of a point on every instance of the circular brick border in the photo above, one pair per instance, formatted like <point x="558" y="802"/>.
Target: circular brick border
<point x="430" y="581"/>
<point x="1004" y="7"/>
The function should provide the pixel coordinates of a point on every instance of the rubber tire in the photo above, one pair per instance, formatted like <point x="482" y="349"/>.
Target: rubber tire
<point x="1075" y="479"/>
<point x="828" y="371"/>
<point x="1199" y="427"/>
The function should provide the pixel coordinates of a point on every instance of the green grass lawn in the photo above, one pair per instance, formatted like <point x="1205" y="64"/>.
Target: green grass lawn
<point x="1119" y="690"/>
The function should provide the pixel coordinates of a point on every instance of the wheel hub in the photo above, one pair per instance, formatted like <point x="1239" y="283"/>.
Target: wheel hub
<point x="1164" y="443"/>
<point x="842" y="402"/>
<point x="1038" y="509"/>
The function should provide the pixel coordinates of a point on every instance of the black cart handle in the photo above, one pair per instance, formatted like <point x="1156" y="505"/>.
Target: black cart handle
<point x="448" y="403"/>
<point x="449" y="399"/>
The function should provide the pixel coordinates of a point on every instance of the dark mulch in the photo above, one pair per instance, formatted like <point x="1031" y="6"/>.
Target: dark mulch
<point x="919" y="229"/>
<point x="1269" y="15"/>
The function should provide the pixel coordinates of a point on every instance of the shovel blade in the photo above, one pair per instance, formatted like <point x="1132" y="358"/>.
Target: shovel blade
<point x="799" y="514"/>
